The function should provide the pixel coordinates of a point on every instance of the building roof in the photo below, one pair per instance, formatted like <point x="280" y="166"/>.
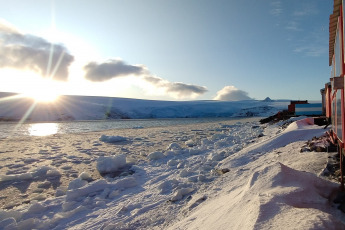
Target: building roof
<point x="333" y="21"/>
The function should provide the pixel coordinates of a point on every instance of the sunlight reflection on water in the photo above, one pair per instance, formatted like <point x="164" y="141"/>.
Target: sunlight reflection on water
<point x="8" y="129"/>
<point x="43" y="129"/>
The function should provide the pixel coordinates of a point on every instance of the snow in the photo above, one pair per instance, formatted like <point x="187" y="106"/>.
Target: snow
<point x="69" y="108"/>
<point x="227" y="178"/>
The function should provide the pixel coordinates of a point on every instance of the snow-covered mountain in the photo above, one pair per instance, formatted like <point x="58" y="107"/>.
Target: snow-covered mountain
<point x="98" y="108"/>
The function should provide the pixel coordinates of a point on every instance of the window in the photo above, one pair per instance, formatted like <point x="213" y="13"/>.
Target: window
<point x="339" y="118"/>
<point x="337" y="55"/>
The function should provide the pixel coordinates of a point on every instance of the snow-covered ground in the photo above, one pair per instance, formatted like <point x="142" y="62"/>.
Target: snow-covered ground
<point x="97" y="108"/>
<point x="212" y="176"/>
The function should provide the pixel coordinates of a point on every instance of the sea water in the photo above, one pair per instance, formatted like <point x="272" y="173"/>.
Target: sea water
<point x="8" y="129"/>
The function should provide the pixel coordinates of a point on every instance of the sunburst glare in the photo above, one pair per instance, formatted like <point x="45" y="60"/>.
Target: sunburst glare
<point x="43" y="96"/>
<point x="44" y="91"/>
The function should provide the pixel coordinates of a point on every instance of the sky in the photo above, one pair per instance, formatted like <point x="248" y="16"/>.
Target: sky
<point x="166" y="50"/>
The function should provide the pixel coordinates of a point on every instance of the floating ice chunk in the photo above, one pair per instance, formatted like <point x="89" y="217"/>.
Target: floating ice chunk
<point x="214" y="156"/>
<point x="156" y="155"/>
<point x="165" y="186"/>
<point x="177" y="152"/>
<point x="85" y="176"/>
<point x="180" y="165"/>
<point x="128" y="182"/>
<point x="41" y="171"/>
<point x="66" y="167"/>
<point x="136" y="169"/>
<point x="98" y="185"/>
<point x="39" y="197"/>
<point x="223" y="143"/>
<point x="193" y="179"/>
<point x="184" y="138"/>
<point x="61" y="191"/>
<point x="28" y="224"/>
<point x="96" y="144"/>
<point x="110" y="164"/>
<point x="45" y="184"/>
<point x="53" y="173"/>
<point x="73" y="212"/>
<point x="138" y="127"/>
<point x="36" y="208"/>
<point x="195" y="151"/>
<point x="174" y="146"/>
<point x="9" y="223"/>
<point x="185" y="173"/>
<point x="11" y="213"/>
<point x="23" y="176"/>
<point x="172" y="162"/>
<point x="168" y="185"/>
<point x="76" y="183"/>
<point x="118" y="225"/>
<point x="202" y="178"/>
<point x="169" y="153"/>
<point x="30" y="160"/>
<point x="104" y="194"/>
<point x="190" y="143"/>
<point x="112" y="139"/>
<point x="206" y="142"/>
<point x="178" y="195"/>
<point x="67" y="206"/>
<point x="100" y="203"/>
<point x="113" y="194"/>
<point x="217" y="136"/>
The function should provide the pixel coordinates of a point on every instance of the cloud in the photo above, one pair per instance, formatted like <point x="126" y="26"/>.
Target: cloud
<point x="176" y="89"/>
<point x="312" y="50"/>
<point x="98" y="72"/>
<point x="25" y="51"/>
<point x="185" y="90"/>
<point x="276" y="9"/>
<point x="293" y="25"/>
<point x="306" y="10"/>
<point x="314" y="44"/>
<point x="231" y="93"/>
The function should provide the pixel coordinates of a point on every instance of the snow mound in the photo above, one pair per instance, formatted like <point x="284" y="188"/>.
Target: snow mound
<point x="293" y="195"/>
<point x="274" y="197"/>
<point x="111" y="164"/>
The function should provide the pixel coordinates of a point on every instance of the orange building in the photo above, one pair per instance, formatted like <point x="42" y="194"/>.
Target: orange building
<point x="334" y="91"/>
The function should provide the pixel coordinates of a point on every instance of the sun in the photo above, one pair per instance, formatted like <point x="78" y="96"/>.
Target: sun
<point x="43" y="91"/>
<point x="43" y="96"/>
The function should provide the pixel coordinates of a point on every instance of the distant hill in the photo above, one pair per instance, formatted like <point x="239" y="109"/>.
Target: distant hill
<point x="267" y="99"/>
<point x="100" y="108"/>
